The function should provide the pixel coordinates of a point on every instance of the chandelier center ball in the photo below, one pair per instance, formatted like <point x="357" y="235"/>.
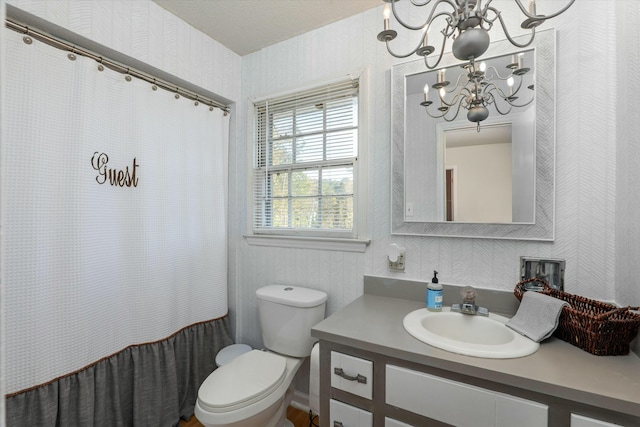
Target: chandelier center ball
<point x="477" y="114"/>
<point x="470" y="44"/>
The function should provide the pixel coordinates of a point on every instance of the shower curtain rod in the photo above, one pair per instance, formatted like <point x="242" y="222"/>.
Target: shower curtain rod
<point x="60" y="44"/>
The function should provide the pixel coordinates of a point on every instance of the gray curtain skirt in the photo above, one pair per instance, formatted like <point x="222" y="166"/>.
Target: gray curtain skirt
<point x="148" y="385"/>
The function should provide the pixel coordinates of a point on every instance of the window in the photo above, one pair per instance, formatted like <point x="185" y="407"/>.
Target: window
<point x="305" y="163"/>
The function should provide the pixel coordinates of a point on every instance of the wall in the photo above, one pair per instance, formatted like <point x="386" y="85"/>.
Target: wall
<point x="628" y="157"/>
<point x="585" y="165"/>
<point x="2" y="321"/>
<point x="482" y="182"/>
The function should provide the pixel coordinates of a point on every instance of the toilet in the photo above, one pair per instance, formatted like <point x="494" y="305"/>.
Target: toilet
<point x="254" y="388"/>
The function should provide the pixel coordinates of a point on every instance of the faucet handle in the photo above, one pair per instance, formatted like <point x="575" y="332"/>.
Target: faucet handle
<point x="468" y="294"/>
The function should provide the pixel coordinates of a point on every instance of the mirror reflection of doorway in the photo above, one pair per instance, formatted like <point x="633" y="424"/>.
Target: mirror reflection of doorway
<point x="449" y="193"/>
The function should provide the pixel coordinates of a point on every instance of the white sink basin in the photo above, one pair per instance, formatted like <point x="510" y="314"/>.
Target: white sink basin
<point x="477" y="336"/>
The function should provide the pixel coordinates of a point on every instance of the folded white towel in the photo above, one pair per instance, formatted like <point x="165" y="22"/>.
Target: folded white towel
<point x="538" y="316"/>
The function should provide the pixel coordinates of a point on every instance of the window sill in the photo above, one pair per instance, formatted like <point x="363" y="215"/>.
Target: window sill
<point x="319" y="243"/>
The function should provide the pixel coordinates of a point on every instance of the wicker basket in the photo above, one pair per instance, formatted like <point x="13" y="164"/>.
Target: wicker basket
<point x="597" y="327"/>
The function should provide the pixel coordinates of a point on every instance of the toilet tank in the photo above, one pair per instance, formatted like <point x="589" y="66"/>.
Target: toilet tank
<point x="287" y="314"/>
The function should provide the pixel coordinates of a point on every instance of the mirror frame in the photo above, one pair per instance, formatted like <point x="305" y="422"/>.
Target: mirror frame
<point x="543" y="227"/>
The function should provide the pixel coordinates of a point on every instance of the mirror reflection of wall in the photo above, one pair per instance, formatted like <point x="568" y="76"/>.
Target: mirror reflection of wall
<point x="454" y="173"/>
<point x="478" y="174"/>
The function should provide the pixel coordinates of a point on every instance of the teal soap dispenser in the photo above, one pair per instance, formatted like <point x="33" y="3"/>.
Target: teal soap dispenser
<point x="434" y="294"/>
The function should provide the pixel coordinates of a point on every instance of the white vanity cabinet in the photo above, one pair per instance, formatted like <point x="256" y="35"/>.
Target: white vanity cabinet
<point x="397" y="393"/>
<point x="459" y="404"/>
<point x="363" y="389"/>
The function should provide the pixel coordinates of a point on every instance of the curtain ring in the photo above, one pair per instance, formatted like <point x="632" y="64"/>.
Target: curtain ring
<point x="177" y="93"/>
<point x="26" y="38"/>
<point x="196" y="103"/>
<point x="100" y="66"/>
<point x="127" y="77"/>
<point x="154" y="87"/>
<point x="72" y="55"/>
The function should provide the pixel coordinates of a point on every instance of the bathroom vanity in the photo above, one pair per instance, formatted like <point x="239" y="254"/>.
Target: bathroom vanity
<point x="374" y="374"/>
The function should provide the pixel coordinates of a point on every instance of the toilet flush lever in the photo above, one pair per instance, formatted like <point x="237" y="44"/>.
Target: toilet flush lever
<point x="340" y="372"/>
<point x="337" y="424"/>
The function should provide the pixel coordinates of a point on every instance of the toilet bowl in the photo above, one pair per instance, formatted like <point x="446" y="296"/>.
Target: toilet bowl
<point x="255" y="387"/>
<point x="252" y="390"/>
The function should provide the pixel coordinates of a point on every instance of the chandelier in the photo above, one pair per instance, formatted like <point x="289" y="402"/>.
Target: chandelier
<point x="477" y="88"/>
<point x="467" y="22"/>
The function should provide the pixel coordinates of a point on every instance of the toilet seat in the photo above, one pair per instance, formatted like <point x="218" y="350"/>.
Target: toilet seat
<point x="247" y="379"/>
<point x="230" y="352"/>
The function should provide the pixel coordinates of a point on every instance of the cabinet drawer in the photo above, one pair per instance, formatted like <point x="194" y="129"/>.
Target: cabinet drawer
<point x="352" y="374"/>
<point x="514" y="411"/>
<point x="580" y="421"/>
<point x="443" y="400"/>
<point x="459" y="404"/>
<point x="390" y="422"/>
<point x="343" y="415"/>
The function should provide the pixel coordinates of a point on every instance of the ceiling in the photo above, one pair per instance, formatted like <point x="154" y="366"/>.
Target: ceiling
<point x="246" y="26"/>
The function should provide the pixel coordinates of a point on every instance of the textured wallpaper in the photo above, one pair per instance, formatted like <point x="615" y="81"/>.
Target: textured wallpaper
<point x="586" y="141"/>
<point x="628" y="156"/>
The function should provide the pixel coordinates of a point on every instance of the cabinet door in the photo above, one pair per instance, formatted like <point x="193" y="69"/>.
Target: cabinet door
<point x="513" y="411"/>
<point x="344" y="415"/>
<point x="451" y="402"/>
<point x="390" y="422"/>
<point x="459" y="404"/>
<point x="581" y="421"/>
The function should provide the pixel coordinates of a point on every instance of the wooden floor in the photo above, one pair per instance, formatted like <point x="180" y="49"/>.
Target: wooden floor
<point x="298" y="417"/>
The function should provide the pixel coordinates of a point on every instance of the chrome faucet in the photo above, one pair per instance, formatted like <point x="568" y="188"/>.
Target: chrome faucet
<point x="468" y="305"/>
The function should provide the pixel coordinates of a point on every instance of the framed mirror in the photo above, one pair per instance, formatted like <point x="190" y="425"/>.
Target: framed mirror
<point x="450" y="180"/>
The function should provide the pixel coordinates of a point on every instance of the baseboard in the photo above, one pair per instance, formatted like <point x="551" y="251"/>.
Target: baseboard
<point x="300" y="401"/>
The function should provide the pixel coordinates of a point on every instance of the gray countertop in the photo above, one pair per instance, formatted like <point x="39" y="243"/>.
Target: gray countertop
<point x="374" y="323"/>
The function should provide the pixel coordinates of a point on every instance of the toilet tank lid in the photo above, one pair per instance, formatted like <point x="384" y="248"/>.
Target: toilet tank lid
<point x="294" y="296"/>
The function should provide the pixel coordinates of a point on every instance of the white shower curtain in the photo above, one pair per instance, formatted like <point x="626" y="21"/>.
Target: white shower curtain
<point x="113" y="213"/>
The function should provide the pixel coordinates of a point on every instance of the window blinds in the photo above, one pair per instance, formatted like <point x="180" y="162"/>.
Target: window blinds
<point x="305" y="152"/>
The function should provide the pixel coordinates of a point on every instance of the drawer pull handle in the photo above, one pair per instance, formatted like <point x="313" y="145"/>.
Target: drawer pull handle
<point x="360" y="378"/>
<point x="337" y="424"/>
